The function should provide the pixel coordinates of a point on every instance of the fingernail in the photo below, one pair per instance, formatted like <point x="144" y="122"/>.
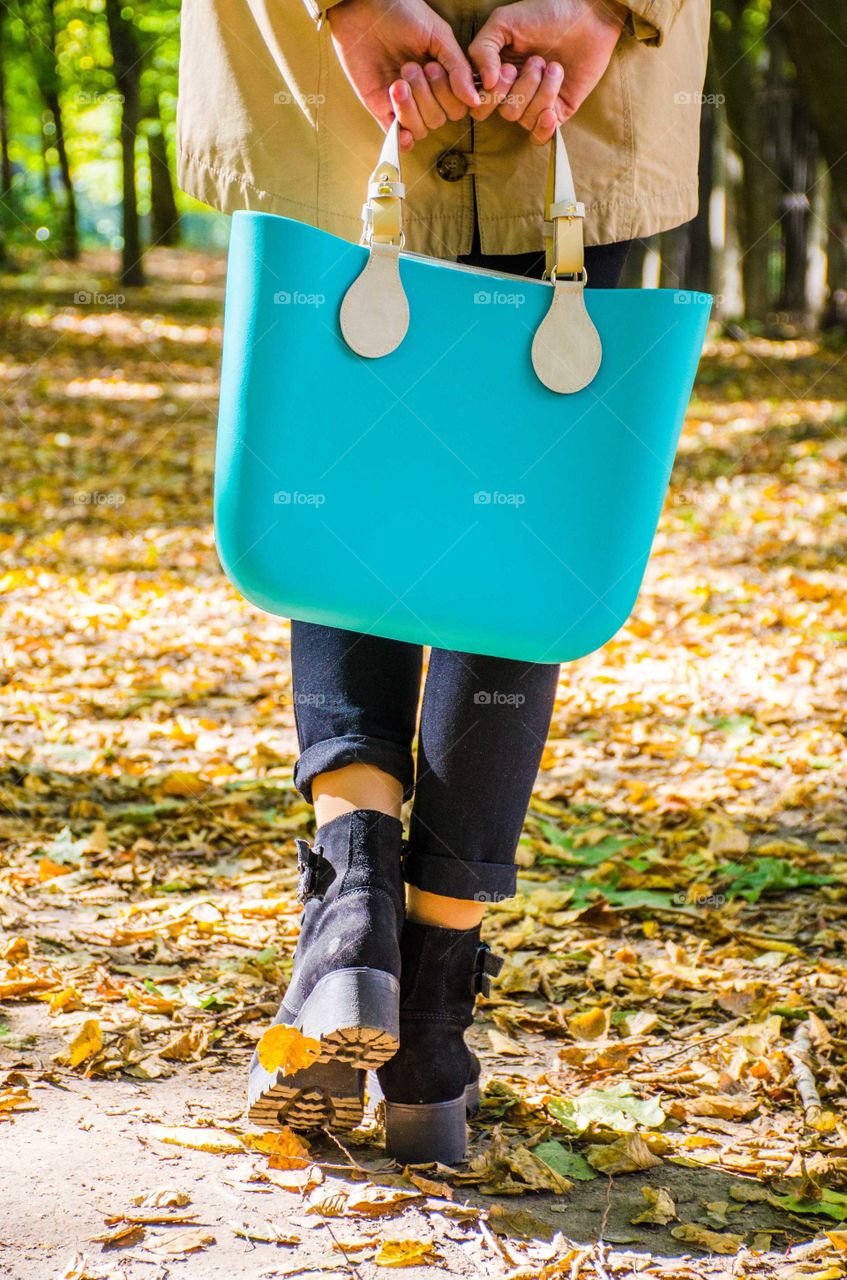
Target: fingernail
<point x="433" y="71"/>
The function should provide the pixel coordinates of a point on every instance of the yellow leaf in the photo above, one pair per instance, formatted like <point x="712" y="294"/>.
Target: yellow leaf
<point x="626" y="1154"/>
<point x="593" y="1024"/>
<point x="285" y="1149"/>
<point x="217" y="1141"/>
<point x="286" y="1049"/>
<point x="184" y="784"/>
<point x="714" y="1241"/>
<point x="48" y="869"/>
<point x="660" y="1207"/>
<point x="87" y="1042"/>
<point x="406" y="1253"/>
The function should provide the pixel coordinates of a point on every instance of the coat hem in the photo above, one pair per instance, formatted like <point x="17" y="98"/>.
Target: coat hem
<point x="622" y="218"/>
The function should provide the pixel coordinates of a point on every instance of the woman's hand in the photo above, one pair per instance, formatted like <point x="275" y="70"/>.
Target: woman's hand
<point x="562" y="48"/>
<point x="403" y="59"/>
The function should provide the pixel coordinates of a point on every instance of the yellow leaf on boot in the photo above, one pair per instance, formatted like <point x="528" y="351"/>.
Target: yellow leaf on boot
<point x="286" y="1049"/>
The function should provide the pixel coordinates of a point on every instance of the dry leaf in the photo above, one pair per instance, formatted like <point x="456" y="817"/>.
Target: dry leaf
<point x="627" y="1154"/>
<point x="162" y="1198"/>
<point x="593" y="1024"/>
<point x="217" y="1141"/>
<point x="715" y="1241"/>
<point x="406" y="1253"/>
<point x="120" y="1237"/>
<point x="179" y="1242"/>
<point x="287" y="1050"/>
<point x="286" y="1149"/>
<point x="660" y="1207"/>
<point x="86" y="1043"/>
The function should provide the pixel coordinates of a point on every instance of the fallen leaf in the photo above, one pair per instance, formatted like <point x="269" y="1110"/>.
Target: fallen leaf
<point x="714" y="1241"/>
<point x="406" y="1253"/>
<point x="86" y="1043"/>
<point x="626" y="1154"/>
<point x="217" y="1141"/>
<point x="287" y="1050"/>
<point x="660" y="1207"/>
<point x="593" y="1024"/>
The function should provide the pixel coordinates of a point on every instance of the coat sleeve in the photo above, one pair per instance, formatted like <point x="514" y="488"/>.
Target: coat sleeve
<point x="317" y="8"/>
<point x="651" y="20"/>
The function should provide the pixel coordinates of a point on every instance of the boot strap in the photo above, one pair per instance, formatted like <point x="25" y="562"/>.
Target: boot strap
<point x="316" y="873"/>
<point x="487" y="966"/>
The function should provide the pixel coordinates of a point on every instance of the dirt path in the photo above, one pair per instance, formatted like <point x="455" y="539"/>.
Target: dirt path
<point x="674" y="959"/>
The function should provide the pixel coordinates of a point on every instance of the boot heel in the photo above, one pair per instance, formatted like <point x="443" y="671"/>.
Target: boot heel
<point x="355" y="1015"/>
<point x="426" y="1133"/>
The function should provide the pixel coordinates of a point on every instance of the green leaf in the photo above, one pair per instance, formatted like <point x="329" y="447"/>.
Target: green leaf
<point x="767" y="875"/>
<point x="616" y="1108"/>
<point x="570" y="1164"/>
<point x="831" y="1203"/>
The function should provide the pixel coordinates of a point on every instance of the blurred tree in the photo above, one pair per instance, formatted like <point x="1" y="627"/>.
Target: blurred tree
<point x="39" y="17"/>
<point x="126" y="56"/>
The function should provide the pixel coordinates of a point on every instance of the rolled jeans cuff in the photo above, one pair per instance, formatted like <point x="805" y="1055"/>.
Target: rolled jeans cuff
<point x="452" y="878"/>
<point x="335" y="753"/>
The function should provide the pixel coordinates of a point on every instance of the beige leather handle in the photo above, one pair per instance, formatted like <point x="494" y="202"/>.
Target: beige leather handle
<point x="374" y="316"/>
<point x="382" y="213"/>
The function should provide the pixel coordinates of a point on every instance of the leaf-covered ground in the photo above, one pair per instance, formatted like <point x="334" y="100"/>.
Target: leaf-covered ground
<point x="665" y="1051"/>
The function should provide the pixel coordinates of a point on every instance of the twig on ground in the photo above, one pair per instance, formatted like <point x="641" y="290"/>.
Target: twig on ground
<point x="799" y="1055"/>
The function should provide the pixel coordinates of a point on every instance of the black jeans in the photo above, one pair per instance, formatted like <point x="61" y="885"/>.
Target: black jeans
<point x="483" y="722"/>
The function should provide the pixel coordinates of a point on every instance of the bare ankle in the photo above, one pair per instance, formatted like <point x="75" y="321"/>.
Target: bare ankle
<point x="445" y="913"/>
<point x="356" y="786"/>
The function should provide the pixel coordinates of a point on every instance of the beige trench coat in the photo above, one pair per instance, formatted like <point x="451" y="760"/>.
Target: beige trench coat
<point x="268" y="120"/>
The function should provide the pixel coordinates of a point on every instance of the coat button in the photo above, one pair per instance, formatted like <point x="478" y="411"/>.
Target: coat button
<point x="451" y="165"/>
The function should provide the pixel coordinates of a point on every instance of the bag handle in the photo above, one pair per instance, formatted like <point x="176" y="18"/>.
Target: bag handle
<point x="374" y="314"/>
<point x="382" y="213"/>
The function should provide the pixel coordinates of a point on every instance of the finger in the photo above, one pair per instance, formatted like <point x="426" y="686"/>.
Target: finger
<point x="524" y="89"/>
<point x="453" y="107"/>
<point x="428" y="108"/>
<point x="447" y="51"/>
<point x="491" y="101"/>
<point x="545" y="97"/>
<point x="545" y="126"/>
<point x="406" y="111"/>
<point x="487" y="45"/>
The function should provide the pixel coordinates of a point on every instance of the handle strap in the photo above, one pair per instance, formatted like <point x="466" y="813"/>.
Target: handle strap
<point x="382" y="214"/>
<point x="564" y="216"/>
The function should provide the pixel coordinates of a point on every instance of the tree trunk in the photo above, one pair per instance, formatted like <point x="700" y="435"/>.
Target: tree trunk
<point x="698" y="273"/>
<point x="127" y="71"/>
<point x="798" y="175"/>
<point x="749" y="125"/>
<point x="70" y="240"/>
<point x="816" y="36"/>
<point x="164" y="216"/>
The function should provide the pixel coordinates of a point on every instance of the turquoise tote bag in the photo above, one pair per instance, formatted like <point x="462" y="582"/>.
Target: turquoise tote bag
<point x="440" y="454"/>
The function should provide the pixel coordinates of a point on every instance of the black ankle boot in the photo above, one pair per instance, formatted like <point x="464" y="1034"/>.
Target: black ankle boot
<point x="431" y="1085"/>
<point x="345" y="988"/>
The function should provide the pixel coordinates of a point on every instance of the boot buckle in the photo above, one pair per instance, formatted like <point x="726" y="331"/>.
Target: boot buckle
<point x="487" y="966"/>
<point x="316" y="873"/>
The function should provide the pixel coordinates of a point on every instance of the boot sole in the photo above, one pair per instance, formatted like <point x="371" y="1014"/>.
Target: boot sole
<point x="430" y="1132"/>
<point x="354" y="1014"/>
